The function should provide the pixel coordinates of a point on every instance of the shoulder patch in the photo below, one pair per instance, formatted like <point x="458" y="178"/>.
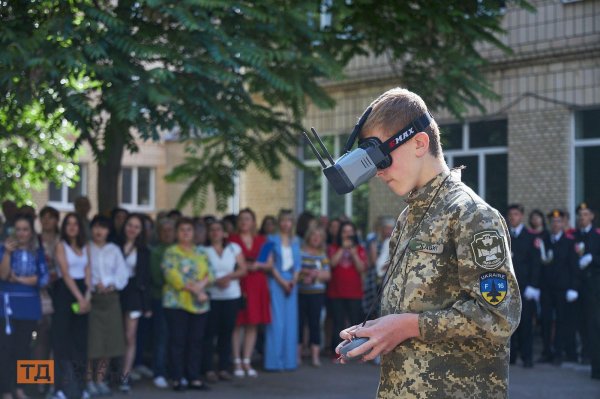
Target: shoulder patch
<point x="493" y="287"/>
<point x="488" y="249"/>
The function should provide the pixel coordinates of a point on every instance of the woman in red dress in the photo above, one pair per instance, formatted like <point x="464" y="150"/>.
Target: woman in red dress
<point x="255" y="292"/>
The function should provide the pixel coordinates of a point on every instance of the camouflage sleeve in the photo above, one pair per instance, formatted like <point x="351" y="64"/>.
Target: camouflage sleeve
<point x="489" y="304"/>
<point x="397" y="229"/>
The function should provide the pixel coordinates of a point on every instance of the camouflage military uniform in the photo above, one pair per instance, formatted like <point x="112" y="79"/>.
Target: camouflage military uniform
<point x="458" y="276"/>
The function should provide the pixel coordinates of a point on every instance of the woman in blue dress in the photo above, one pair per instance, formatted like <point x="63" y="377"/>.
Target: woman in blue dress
<point x="23" y="272"/>
<point x="281" y="338"/>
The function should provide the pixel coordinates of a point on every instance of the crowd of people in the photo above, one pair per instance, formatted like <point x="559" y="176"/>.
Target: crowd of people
<point x="558" y="272"/>
<point x="193" y="301"/>
<point x="184" y="301"/>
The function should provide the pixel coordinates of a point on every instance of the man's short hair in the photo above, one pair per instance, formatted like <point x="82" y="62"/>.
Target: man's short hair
<point x="394" y="110"/>
<point x="518" y="207"/>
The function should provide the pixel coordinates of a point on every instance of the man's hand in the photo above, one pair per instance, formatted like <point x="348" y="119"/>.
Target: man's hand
<point x="585" y="261"/>
<point x="531" y="293"/>
<point x="384" y="333"/>
<point x="571" y="296"/>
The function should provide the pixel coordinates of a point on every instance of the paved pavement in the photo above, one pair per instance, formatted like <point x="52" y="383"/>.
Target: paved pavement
<point x="360" y="381"/>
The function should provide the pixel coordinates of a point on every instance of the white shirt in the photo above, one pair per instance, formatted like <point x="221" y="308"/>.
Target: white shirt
<point x="222" y="266"/>
<point x="586" y="229"/>
<point x="108" y="266"/>
<point x="287" y="258"/>
<point x="517" y="230"/>
<point x="75" y="263"/>
<point x="556" y="237"/>
<point x="131" y="261"/>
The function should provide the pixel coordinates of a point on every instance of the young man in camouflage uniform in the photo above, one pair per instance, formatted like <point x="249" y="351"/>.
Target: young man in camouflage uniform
<point x="452" y="299"/>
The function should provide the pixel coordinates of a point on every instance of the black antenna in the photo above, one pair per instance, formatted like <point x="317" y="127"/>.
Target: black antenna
<point x="357" y="129"/>
<point x="314" y="150"/>
<point x="312" y="129"/>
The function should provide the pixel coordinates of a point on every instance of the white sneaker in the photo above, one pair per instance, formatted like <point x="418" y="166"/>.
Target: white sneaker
<point x="59" y="395"/>
<point x="134" y="375"/>
<point x="160" y="382"/>
<point x="103" y="389"/>
<point x="144" y="371"/>
<point x="90" y="389"/>
<point x="184" y="382"/>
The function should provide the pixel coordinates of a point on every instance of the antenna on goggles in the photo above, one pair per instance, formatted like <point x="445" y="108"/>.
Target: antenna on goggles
<point x="357" y="129"/>
<point x="314" y="150"/>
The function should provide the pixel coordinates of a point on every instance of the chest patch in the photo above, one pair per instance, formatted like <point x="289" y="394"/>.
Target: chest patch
<point x="493" y="287"/>
<point x="422" y="246"/>
<point x="488" y="249"/>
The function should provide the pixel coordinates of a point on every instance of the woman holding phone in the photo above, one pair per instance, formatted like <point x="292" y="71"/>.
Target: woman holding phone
<point x="72" y="302"/>
<point x="23" y="272"/>
<point x="345" y="290"/>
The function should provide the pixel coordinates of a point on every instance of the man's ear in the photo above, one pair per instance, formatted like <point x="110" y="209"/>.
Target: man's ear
<point x="421" y="144"/>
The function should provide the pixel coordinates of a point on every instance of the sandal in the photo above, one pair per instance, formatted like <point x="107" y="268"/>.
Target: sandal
<point x="224" y="375"/>
<point x="238" y="371"/>
<point x="211" y="377"/>
<point x="250" y="372"/>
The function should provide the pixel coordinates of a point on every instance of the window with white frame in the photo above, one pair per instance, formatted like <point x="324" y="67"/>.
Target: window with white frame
<point x="587" y="156"/>
<point x="137" y="188"/>
<point x="63" y="196"/>
<point x="482" y="148"/>
<point x="319" y="197"/>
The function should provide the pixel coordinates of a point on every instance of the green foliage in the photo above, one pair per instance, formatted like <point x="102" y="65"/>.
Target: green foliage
<point x="433" y="46"/>
<point x="234" y="78"/>
<point x="33" y="150"/>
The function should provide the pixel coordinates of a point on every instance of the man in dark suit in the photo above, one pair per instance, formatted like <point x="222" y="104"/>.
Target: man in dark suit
<point x="588" y="249"/>
<point x="559" y="284"/>
<point x="526" y="261"/>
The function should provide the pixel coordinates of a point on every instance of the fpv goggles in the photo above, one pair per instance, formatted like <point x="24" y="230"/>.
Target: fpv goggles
<point x="356" y="167"/>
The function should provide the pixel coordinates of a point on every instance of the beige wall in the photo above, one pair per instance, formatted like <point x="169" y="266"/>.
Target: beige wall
<point x="266" y="196"/>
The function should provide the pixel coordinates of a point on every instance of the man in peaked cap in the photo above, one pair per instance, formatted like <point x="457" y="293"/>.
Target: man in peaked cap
<point x="559" y="290"/>
<point x="587" y="246"/>
<point x="526" y="261"/>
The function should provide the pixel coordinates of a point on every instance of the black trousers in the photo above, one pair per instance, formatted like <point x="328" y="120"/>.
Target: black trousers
<point x="345" y="313"/>
<point x="69" y="341"/>
<point x="13" y="347"/>
<point x="309" y="312"/>
<point x="555" y="308"/>
<point x="521" y="342"/>
<point x="221" y="322"/>
<point x="186" y="333"/>
<point x="593" y="317"/>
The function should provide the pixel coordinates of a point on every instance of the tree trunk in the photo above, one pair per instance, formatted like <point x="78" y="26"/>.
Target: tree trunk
<point x="109" y="167"/>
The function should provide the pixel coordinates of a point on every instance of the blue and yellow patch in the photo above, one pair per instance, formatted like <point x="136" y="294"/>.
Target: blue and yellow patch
<point x="493" y="287"/>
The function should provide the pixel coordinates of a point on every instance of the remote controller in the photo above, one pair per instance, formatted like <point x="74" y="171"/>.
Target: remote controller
<point x="350" y="345"/>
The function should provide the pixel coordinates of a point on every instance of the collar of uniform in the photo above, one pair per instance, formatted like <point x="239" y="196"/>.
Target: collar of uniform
<point x="424" y="194"/>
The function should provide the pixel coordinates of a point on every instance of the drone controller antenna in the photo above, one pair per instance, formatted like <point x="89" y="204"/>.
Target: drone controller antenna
<point x="314" y="150"/>
<point x="312" y="129"/>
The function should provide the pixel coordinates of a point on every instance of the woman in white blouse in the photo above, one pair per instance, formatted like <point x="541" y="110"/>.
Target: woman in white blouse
<point x="72" y="303"/>
<point x="109" y="276"/>
<point x="228" y="265"/>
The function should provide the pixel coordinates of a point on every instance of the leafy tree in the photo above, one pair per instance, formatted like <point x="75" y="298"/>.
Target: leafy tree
<point x="233" y="78"/>
<point x="34" y="148"/>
